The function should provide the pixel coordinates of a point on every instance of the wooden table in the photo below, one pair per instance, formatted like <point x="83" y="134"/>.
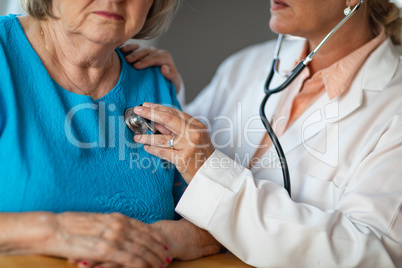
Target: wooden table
<point x="218" y="261"/>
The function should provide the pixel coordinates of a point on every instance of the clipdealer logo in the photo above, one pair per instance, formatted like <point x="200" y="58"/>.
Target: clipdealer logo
<point x="224" y="130"/>
<point x="114" y="140"/>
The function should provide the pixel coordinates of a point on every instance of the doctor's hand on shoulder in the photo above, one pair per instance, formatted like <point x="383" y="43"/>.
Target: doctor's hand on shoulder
<point x="184" y="141"/>
<point x="142" y="58"/>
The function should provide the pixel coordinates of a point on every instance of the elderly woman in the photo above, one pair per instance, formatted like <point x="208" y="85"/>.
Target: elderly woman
<point x="340" y="126"/>
<point x="64" y="144"/>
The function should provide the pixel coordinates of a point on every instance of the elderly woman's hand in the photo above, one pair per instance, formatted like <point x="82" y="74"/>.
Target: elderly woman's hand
<point x="146" y="57"/>
<point x="186" y="241"/>
<point x="107" y="240"/>
<point x="184" y="141"/>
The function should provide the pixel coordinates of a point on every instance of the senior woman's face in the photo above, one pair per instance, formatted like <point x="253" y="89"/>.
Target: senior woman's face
<point x="103" y="21"/>
<point x="305" y="18"/>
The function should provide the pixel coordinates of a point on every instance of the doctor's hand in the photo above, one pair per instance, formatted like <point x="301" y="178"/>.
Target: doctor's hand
<point x="142" y="58"/>
<point x="184" y="140"/>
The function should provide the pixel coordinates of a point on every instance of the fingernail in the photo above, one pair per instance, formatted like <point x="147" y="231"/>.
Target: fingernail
<point x="138" y="109"/>
<point x="84" y="263"/>
<point x="168" y="260"/>
<point x="167" y="70"/>
<point x="166" y="247"/>
<point x="147" y="104"/>
<point x="137" y="137"/>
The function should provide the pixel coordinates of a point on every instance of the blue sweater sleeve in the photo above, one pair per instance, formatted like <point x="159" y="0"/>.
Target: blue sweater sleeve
<point x="174" y="97"/>
<point x="2" y="116"/>
<point x="179" y="184"/>
<point x="3" y="71"/>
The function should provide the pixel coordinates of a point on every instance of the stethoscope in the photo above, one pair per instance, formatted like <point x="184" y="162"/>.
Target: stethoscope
<point x="290" y="77"/>
<point x="140" y="125"/>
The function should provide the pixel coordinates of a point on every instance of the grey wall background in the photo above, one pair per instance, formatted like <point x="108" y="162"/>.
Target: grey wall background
<point x="10" y="6"/>
<point x="205" y="32"/>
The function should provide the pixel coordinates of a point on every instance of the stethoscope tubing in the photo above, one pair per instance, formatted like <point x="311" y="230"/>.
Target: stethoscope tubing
<point x="277" y="145"/>
<point x="290" y="78"/>
<point x="275" y="141"/>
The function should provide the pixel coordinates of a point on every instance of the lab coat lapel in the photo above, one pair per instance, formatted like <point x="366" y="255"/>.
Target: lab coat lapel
<point x="325" y="112"/>
<point x="322" y="113"/>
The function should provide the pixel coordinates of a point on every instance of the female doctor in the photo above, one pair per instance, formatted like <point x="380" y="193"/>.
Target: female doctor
<point x="340" y="126"/>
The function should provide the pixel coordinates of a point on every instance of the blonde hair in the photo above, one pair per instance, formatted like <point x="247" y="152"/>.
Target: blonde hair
<point x="158" y="20"/>
<point x="387" y="14"/>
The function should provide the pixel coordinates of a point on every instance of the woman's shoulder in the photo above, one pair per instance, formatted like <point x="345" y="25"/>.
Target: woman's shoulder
<point x="137" y="73"/>
<point x="148" y="81"/>
<point x="8" y="18"/>
<point x="7" y="24"/>
<point x="11" y="31"/>
<point x="147" y="76"/>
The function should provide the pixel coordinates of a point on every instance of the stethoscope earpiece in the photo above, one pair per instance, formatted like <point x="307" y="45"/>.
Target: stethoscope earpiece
<point x="136" y="123"/>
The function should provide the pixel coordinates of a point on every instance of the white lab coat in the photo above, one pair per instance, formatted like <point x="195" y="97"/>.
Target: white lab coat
<point x="345" y="161"/>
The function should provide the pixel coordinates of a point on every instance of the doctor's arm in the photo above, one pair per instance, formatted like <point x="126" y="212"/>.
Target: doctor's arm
<point x="262" y="225"/>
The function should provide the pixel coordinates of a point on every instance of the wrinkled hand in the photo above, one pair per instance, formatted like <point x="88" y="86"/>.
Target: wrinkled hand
<point x="146" y="57"/>
<point x="192" y="144"/>
<point x="187" y="241"/>
<point x="106" y="240"/>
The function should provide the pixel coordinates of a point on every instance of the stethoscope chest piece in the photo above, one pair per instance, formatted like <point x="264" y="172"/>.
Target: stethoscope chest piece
<point x="136" y="123"/>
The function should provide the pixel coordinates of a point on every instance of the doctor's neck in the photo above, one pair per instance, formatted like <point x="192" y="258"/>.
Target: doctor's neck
<point x="346" y="40"/>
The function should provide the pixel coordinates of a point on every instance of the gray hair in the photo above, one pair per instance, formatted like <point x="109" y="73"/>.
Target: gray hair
<point x="158" y="20"/>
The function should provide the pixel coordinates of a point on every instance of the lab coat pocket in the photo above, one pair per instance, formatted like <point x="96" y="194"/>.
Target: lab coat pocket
<point x="323" y="194"/>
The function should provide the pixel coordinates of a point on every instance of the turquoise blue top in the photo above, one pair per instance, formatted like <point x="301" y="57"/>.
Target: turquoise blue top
<point x="61" y="151"/>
